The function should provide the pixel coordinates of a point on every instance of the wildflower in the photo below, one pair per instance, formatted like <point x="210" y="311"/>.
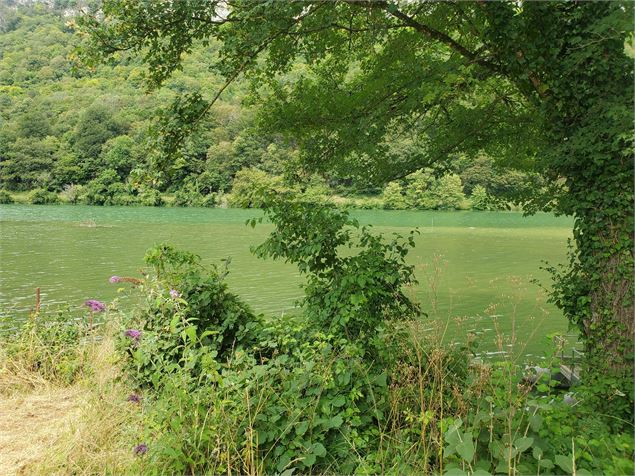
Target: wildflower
<point x="95" y="306"/>
<point x="134" y="334"/>
<point x="140" y="449"/>
<point x="174" y="294"/>
<point x="115" y="279"/>
<point x="134" y="398"/>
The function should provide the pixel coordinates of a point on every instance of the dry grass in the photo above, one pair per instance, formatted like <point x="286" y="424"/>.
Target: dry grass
<point x="33" y="422"/>
<point x="86" y="428"/>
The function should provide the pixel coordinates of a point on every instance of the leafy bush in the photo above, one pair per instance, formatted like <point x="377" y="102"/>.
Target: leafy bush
<point x="480" y="199"/>
<point x="295" y="392"/>
<point x="190" y="196"/>
<point x="187" y="302"/>
<point x="150" y="197"/>
<point x="393" y="197"/>
<point x="368" y="203"/>
<point x="425" y="192"/>
<point x="350" y="386"/>
<point x="317" y="191"/>
<point x="510" y="428"/>
<point x="72" y="193"/>
<point x="5" y="197"/>
<point x="100" y="191"/>
<point x="41" y="196"/>
<point x="345" y="295"/>
<point x="250" y="185"/>
<point x="107" y="189"/>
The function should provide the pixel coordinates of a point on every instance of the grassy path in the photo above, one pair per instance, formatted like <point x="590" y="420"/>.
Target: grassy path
<point x="30" y="424"/>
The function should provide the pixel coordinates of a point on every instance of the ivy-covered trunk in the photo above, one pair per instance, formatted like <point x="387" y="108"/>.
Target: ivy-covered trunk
<point x="607" y="256"/>
<point x="597" y="294"/>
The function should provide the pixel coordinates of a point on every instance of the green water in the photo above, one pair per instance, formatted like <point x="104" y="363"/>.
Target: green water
<point x="474" y="268"/>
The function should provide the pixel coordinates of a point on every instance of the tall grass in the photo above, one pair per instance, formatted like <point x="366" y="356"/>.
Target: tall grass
<point x="72" y="381"/>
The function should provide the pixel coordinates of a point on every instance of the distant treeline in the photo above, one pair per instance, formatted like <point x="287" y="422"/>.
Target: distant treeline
<point x="84" y="136"/>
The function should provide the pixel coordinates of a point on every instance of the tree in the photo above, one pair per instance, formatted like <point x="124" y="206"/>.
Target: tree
<point x="250" y="187"/>
<point x="545" y="86"/>
<point x="28" y="163"/>
<point x="479" y="197"/>
<point x="393" y="197"/>
<point x="119" y="154"/>
<point x="95" y="126"/>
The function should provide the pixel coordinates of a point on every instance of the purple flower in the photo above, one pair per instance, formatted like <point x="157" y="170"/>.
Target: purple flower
<point x="115" y="279"/>
<point x="134" y="334"/>
<point x="134" y="398"/>
<point x="95" y="306"/>
<point x="140" y="449"/>
<point x="174" y="294"/>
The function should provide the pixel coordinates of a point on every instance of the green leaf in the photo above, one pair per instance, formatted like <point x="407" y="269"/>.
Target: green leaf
<point x="336" y="421"/>
<point x="309" y="460"/>
<point x="523" y="444"/>
<point x="535" y="421"/>
<point x="546" y="463"/>
<point x="339" y="401"/>
<point x="380" y="380"/>
<point x="565" y="462"/>
<point x="455" y="472"/>
<point x="302" y="427"/>
<point x="318" y="449"/>
<point x="502" y="468"/>
<point x="465" y="448"/>
<point x="190" y="333"/>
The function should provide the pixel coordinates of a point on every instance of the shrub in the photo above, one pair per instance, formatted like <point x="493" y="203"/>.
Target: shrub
<point x="189" y="196"/>
<point x="41" y="196"/>
<point x="510" y="428"/>
<point x="108" y="189"/>
<point x="5" y="197"/>
<point x="150" y="197"/>
<point x="72" y="193"/>
<point x="249" y="186"/>
<point x="447" y="193"/>
<point x="345" y="295"/>
<point x="480" y="199"/>
<point x="295" y="392"/>
<point x="425" y="192"/>
<point x="183" y="199"/>
<point x="118" y="193"/>
<point x="121" y="198"/>
<point x="98" y="192"/>
<point x="368" y="203"/>
<point x="188" y="303"/>
<point x="418" y="190"/>
<point x="352" y="385"/>
<point x="49" y="344"/>
<point x="393" y="197"/>
<point x="317" y="190"/>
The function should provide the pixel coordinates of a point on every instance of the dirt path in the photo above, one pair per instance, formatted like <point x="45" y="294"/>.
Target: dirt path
<point x="31" y="423"/>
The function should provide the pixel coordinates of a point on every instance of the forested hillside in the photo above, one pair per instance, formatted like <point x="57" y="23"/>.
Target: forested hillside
<point x="85" y="136"/>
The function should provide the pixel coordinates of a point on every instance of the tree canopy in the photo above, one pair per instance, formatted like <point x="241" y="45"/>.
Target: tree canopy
<point x="542" y="85"/>
<point x="86" y="133"/>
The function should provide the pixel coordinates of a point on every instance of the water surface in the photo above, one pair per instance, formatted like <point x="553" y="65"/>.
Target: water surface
<point x="475" y="269"/>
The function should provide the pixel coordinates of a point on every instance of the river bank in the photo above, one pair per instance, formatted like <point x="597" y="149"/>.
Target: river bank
<point x="89" y="413"/>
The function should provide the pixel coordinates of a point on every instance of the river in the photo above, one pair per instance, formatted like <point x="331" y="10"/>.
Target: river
<point x="475" y="269"/>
